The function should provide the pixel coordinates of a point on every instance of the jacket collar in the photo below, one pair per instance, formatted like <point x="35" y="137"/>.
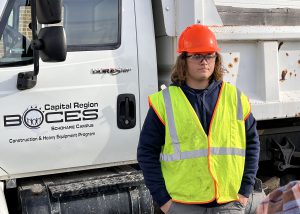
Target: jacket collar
<point x="211" y="87"/>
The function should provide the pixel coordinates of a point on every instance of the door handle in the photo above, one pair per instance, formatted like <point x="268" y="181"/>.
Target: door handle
<point x="126" y="111"/>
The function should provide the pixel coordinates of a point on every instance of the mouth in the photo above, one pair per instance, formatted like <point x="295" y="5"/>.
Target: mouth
<point x="203" y="69"/>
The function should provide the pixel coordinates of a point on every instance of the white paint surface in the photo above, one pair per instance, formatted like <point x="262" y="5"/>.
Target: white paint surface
<point x="259" y="3"/>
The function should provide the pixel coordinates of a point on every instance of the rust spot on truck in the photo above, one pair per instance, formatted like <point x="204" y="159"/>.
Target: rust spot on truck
<point x="291" y="73"/>
<point x="287" y="54"/>
<point x="297" y="114"/>
<point x="283" y="74"/>
<point x="224" y="70"/>
<point x="299" y="61"/>
<point x="230" y="65"/>
<point x="236" y="59"/>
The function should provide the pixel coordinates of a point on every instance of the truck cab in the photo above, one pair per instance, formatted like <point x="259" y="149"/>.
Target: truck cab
<point x="84" y="111"/>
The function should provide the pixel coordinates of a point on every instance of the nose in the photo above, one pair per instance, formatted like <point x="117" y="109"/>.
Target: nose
<point x="203" y="60"/>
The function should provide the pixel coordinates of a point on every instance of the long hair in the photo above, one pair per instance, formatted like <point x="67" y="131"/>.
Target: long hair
<point x="180" y="68"/>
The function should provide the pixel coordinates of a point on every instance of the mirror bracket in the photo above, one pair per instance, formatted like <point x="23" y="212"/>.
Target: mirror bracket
<point x="26" y="80"/>
<point x="45" y="14"/>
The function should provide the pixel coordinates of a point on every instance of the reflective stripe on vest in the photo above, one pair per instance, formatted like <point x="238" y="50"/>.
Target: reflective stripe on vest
<point x="172" y="129"/>
<point x="178" y="155"/>
<point x="239" y="105"/>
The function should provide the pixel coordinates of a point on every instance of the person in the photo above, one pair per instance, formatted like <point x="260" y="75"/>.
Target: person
<point x="199" y="147"/>
<point x="285" y="199"/>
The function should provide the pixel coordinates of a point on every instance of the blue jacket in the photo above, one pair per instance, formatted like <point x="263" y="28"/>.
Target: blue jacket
<point x="153" y="135"/>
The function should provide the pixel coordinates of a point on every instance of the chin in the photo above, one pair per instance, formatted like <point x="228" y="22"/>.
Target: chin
<point x="203" y="78"/>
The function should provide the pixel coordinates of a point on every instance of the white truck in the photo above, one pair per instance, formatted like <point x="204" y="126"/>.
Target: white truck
<point x="70" y="123"/>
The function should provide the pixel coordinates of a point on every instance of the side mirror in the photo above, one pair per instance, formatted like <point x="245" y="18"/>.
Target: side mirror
<point x="53" y="37"/>
<point x="49" y="11"/>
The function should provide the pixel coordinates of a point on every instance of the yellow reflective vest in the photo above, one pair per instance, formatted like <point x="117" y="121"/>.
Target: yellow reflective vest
<point x="199" y="168"/>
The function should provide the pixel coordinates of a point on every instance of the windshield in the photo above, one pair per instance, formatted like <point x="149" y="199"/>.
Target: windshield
<point x="2" y="5"/>
<point x="16" y="35"/>
<point x="89" y="25"/>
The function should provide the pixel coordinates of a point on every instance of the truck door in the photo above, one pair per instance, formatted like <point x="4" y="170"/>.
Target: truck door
<point x="83" y="112"/>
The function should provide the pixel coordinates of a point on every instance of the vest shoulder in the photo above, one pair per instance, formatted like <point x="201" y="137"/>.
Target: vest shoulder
<point x="156" y="94"/>
<point x="173" y="88"/>
<point x="229" y="85"/>
<point x="159" y="93"/>
<point x="233" y="87"/>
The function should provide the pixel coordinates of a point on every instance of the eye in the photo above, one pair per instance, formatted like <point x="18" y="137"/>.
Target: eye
<point x="210" y="56"/>
<point x="198" y="56"/>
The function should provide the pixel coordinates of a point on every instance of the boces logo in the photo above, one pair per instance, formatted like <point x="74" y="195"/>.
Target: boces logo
<point x="34" y="117"/>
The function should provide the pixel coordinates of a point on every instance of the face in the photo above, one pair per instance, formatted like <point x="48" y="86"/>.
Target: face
<point x="200" y="67"/>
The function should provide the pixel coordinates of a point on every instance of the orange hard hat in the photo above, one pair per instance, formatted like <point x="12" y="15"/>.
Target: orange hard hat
<point x="197" y="39"/>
